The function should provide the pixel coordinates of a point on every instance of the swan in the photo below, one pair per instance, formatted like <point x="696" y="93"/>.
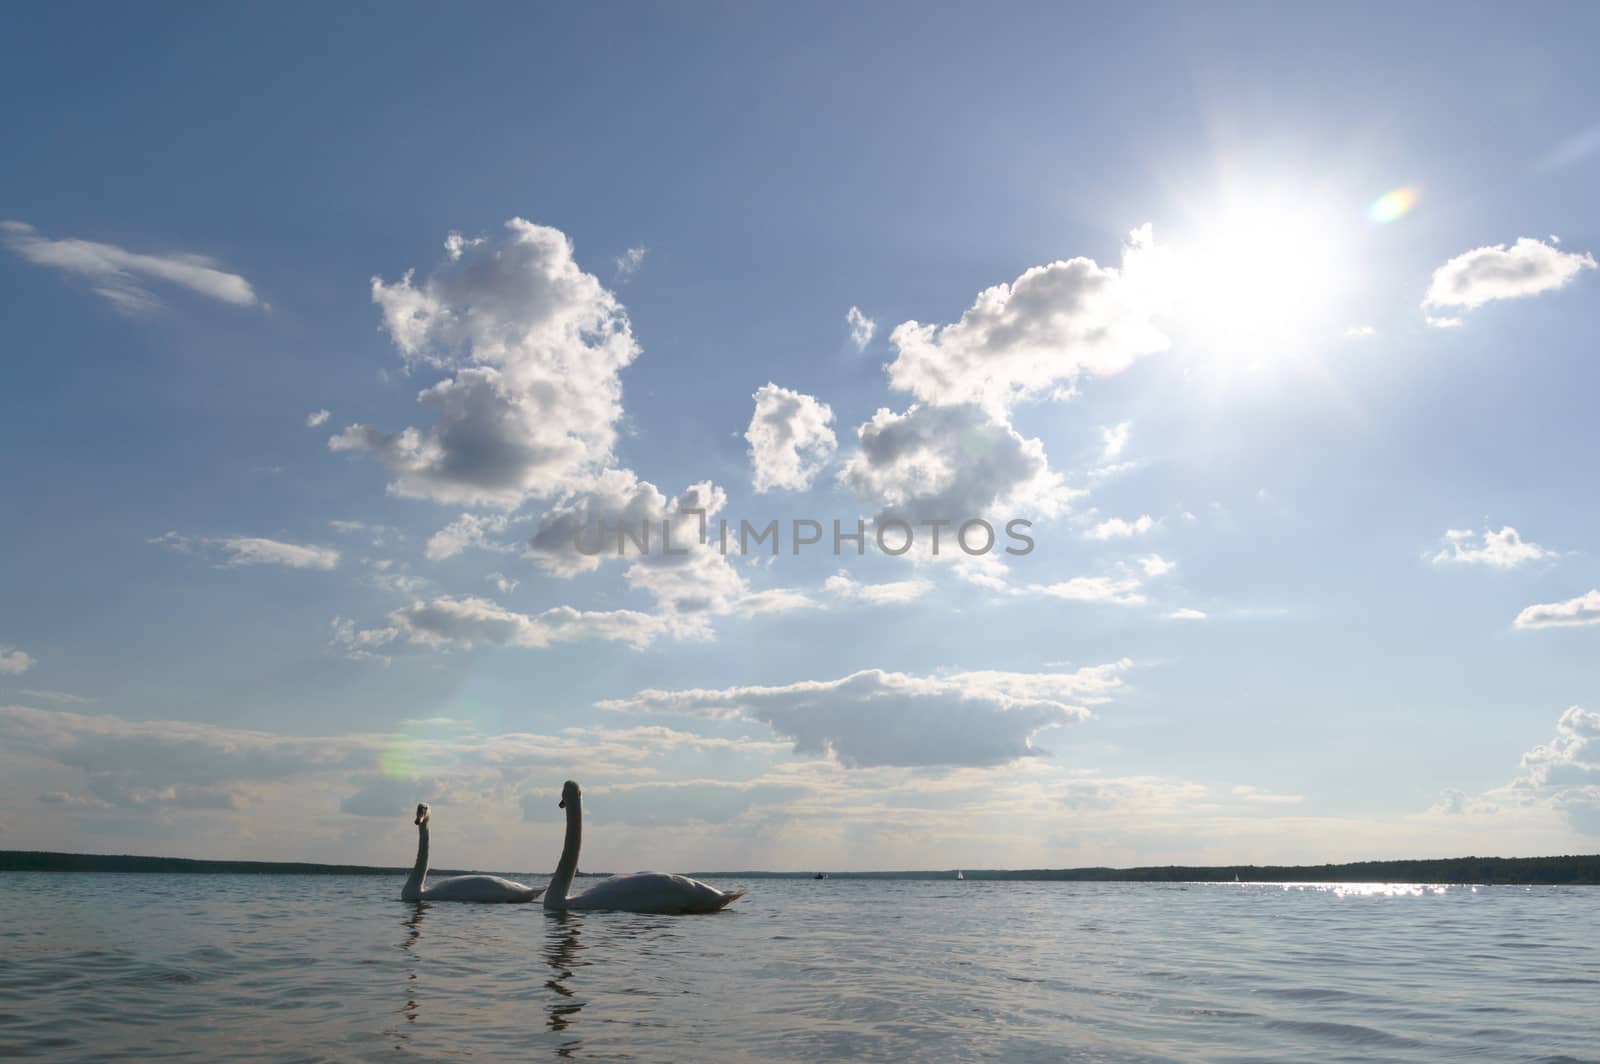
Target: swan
<point x="456" y="888"/>
<point x="640" y="892"/>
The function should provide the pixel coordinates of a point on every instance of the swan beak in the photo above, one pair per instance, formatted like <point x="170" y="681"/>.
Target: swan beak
<point x="561" y="804"/>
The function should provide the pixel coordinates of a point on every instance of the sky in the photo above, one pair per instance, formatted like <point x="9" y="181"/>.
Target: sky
<point x="328" y="332"/>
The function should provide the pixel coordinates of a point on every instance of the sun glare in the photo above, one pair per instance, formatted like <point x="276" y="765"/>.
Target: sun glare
<point x="1259" y="280"/>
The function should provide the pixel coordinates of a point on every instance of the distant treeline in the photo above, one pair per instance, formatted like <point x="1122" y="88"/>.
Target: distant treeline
<point x="1577" y="869"/>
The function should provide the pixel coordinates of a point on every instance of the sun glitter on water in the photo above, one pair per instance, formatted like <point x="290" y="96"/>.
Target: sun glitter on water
<point x="1392" y="205"/>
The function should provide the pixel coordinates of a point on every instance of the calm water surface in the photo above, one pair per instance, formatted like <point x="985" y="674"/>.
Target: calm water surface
<point x="214" y="968"/>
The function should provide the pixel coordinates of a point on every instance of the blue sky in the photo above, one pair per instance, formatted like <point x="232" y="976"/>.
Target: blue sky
<point x="1314" y="573"/>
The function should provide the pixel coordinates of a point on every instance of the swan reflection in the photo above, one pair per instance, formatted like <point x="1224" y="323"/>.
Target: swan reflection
<point x="561" y="953"/>
<point x="407" y="944"/>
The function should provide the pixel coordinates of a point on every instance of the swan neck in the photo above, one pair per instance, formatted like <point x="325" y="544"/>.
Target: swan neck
<point x="555" y="895"/>
<point x="413" y="888"/>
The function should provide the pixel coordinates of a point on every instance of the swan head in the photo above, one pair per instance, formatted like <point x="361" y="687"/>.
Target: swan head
<point x="423" y="812"/>
<point x="570" y="792"/>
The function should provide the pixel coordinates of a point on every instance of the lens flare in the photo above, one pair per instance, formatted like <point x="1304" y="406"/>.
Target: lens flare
<point x="1392" y="204"/>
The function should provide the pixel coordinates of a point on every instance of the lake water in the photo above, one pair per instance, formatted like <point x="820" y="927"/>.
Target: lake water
<point x="216" y="968"/>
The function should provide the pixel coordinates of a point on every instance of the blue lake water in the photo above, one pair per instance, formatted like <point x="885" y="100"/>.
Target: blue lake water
<point x="216" y="968"/>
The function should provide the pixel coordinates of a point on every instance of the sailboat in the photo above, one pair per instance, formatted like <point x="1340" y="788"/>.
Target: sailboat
<point x="959" y="875"/>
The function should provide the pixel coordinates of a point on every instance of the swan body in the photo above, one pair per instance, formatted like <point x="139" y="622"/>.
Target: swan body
<point x="640" y="892"/>
<point x="457" y="888"/>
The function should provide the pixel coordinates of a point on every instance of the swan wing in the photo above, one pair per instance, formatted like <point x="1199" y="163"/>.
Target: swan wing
<point x="653" y="892"/>
<point x="480" y="888"/>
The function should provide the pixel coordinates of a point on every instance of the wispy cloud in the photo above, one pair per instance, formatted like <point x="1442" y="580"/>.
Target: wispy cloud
<point x="234" y="551"/>
<point x="124" y="276"/>
<point x="629" y="261"/>
<point x="861" y="328"/>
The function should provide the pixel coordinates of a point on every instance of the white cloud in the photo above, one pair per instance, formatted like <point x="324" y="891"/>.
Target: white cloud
<point x="317" y="418"/>
<point x="466" y="622"/>
<point x="1585" y="609"/>
<point x="692" y="582"/>
<point x="120" y="275"/>
<point x="1504" y="549"/>
<point x="169" y="763"/>
<point x="1443" y="323"/>
<point x="235" y="551"/>
<point x="1156" y="565"/>
<point x="1186" y="614"/>
<point x="790" y="439"/>
<point x="875" y="717"/>
<point x="861" y="328"/>
<point x="1115" y="438"/>
<point x="951" y="463"/>
<point x="253" y="550"/>
<point x="532" y="347"/>
<point x="1257" y="794"/>
<point x="469" y="531"/>
<point x="891" y="593"/>
<point x="1360" y="332"/>
<point x="14" y="662"/>
<point x="1117" y="590"/>
<point x="1563" y="773"/>
<point x="629" y="261"/>
<point x="1485" y="274"/>
<point x="1117" y="528"/>
<point x="1034" y="336"/>
<point x="504" y="584"/>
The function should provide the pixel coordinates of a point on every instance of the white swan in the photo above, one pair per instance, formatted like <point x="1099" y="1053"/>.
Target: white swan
<point x="640" y="892"/>
<point x="456" y="888"/>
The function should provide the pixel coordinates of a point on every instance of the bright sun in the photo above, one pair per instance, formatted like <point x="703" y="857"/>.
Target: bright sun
<point x="1259" y="280"/>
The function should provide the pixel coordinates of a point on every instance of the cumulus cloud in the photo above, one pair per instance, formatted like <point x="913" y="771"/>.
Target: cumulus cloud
<point x="1566" y="770"/>
<point x="861" y="328"/>
<point x="1585" y="609"/>
<point x="1117" y="528"/>
<point x="954" y="454"/>
<point x="951" y="463"/>
<point x="1504" y="549"/>
<point x="889" y="593"/>
<point x="1186" y="614"/>
<point x="790" y="439"/>
<point x="123" y="276"/>
<point x="532" y="348"/>
<point x="877" y="718"/>
<point x="14" y="662"/>
<point x="235" y="551"/>
<point x="317" y="418"/>
<point x="1036" y="335"/>
<point x="1485" y="274"/>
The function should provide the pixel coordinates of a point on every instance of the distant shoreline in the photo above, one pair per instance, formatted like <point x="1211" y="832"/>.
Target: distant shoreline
<point x="1573" y="870"/>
